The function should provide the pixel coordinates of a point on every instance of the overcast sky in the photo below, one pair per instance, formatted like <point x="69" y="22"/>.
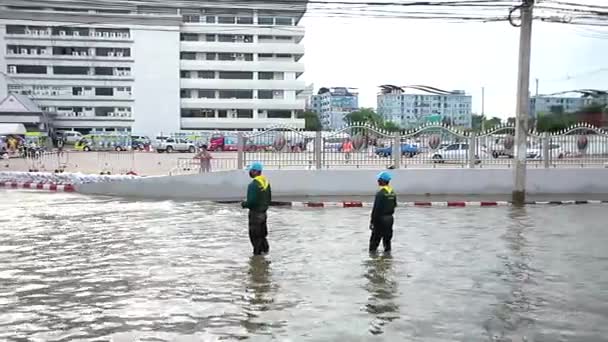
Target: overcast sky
<point x="364" y="53"/>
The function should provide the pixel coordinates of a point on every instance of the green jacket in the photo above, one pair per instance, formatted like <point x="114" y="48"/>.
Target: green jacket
<point x="384" y="204"/>
<point x="259" y="195"/>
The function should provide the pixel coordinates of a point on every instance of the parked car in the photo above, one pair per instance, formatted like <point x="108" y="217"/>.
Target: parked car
<point x="454" y="152"/>
<point x="69" y="137"/>
<point x="555" y="152"/>
<point x="409" y="150"/>
<point x="172" y="144"/>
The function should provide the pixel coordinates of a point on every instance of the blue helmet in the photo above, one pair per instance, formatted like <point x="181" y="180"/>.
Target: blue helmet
<point x="385" y="176"/>
<point x="256" y="166"/>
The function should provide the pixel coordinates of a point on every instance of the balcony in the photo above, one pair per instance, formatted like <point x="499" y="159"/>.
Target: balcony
<point x="253" y="30"/>
<point x="198" y="83"/>
<point x="286" y="66"/>
<point x="244" y="104"/>
<point x="275" y="48"/>
<point x="76" y="36"/>
<point x="236" y="123"/>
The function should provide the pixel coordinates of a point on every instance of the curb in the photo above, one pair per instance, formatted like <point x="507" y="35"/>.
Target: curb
<point x="452" y="204"/>
<point x="38" y="186"/>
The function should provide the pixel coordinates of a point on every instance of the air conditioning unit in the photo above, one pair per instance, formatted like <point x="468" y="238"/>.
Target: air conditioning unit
<point x="24" y="51"/>
<point x="35" y="32"/>
<point x="34" y="52"/>
<point x="11" y="52"/>
<point x="111" y="114"/>
<point x="74" y="53"/>
<point x="28" y="31"/>
<point x="106" y="34"/>
<point x="48" y="31"/>
<point x="113" y="34"/>
<point x="76" y="33"/>
<point x="44" y="52"/>
<point x="111" y="54"/>
<point x="119" y="53"/>
<point x="62" y="33"/>
<point x="98" y="34"/>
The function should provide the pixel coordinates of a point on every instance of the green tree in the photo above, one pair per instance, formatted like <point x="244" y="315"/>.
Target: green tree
<point x="391" y="126"/>
<point x="311" y="121"/>
<point x="364" y="116"/>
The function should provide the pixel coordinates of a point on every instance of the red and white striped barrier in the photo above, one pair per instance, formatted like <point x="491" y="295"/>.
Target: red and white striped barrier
<point x="423" y="204"/>
<point x="38" y="186"/>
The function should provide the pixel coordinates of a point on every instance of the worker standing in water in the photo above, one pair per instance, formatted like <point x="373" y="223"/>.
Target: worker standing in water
<point x="382" y="214"/>
<point x="258" y="200"/>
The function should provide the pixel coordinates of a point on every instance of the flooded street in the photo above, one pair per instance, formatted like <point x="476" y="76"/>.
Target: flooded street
<point x="96" y="269"/>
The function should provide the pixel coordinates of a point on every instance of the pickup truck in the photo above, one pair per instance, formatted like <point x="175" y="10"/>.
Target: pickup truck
<point x="408" y="150"/>
<point x="172" y="144"/>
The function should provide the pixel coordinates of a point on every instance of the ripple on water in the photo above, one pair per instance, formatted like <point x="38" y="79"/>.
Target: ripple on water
<point x="98" y="269"/>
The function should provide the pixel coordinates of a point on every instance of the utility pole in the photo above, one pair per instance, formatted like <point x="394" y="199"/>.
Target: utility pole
<point x="523" y="103"/>
<point x="483" y="109"/>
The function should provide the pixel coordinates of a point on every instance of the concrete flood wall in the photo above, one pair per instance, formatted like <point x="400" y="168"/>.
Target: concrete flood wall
<point x="230" y="185"/>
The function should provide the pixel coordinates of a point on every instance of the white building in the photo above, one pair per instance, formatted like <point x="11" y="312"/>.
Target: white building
<point x="333" y="104"/>
<point x="186" y="66"/>
<point x="412" y="110"/>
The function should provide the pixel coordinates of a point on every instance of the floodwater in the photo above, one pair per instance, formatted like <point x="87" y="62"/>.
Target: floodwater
<point x="76" y="268"/>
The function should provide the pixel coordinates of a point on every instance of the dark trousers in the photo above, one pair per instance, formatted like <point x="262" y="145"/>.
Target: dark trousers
<point x="382" y="231"/>
<point x="258" y="230"/>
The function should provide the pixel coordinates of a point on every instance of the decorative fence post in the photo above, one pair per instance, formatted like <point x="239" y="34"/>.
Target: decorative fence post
<point x="318" y="150"/>
<point x="546" y="151"/>
<point x="472" y="149"/>
<point x="240" y="150"/>
<point x="396" y="150"/>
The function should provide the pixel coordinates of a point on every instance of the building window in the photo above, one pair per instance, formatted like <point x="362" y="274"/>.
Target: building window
<point x="27" y="69"/>
<point x="191" y="18"/>
<point x="211" y="56"/>
<point x="235" y="56"/>
<point x="206" y="74"/>
<point x="283" y="21"/>
<point x="284" y="38"/>
<point x="189" y="37"/>
<point x="236" y="94"/>
<point x="225" y="38"/>
<point x="206" y="94"/>
<point x="184" y="74"/>
<point x="244" y="20"/>
<point x="225" y="20"/>
<point x="184" y="93"/>
<point x="264" y="75"/>
<point x="105" y="71"/>
<point x="187" y="55"/>
<point x="265" y="21"/>
<point x="283" y="56"/>
<point x="267" y="95"/>
<point x="210" y="19"/>
<point x="278" y="114"/>
<point x="70" y="70"/>
<point x="236" y="75"/>
<point x="210" y="37"/>
<point x="104" y="91"/>
<point x="244" y="113"/>
<point x="222" y="113"/>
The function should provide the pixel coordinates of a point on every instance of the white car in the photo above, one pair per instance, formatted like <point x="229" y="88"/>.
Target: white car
<point x="555" y="152"/>
<point x="453" y="153"/>
<point x="70" y="137"/>
<point x="172" y="144"/>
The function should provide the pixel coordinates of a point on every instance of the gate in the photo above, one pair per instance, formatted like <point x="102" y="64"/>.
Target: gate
<point x="279" y="147"/>
<point x="434" y="145"/>
<point x="580" y="145"/>
<point x="358" y="146"/>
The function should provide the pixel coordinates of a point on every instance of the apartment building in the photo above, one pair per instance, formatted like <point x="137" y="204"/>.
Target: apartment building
<point x="132" y="67"/>
<point x="547" y="104"/>
<point x="333" y="104"/>
<point x="414" y="109"/>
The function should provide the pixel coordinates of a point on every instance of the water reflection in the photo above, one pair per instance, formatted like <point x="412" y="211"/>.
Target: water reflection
<point x="382" y="288"/>
<point x="511" y="317"/>
<point x="259" y="294"/>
